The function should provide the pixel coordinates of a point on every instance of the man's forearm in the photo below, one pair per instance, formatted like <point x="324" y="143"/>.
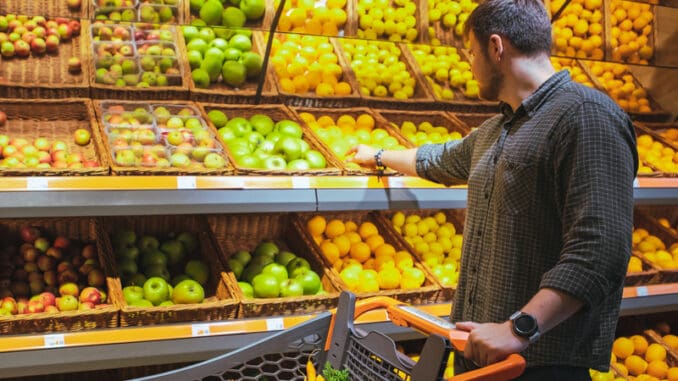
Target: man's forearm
<point x="551" y="307"/>
<point x="404" y="162"/>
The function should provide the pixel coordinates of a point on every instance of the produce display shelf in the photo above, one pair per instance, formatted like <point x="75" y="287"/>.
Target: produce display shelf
<point x="649" y="299"/>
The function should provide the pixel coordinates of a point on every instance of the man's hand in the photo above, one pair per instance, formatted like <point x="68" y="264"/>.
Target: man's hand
<point x="364" y="155"/>
<point x="489" y="343"/>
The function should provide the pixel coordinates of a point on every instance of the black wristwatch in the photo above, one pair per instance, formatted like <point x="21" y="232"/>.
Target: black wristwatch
<point x="525" y="325"/>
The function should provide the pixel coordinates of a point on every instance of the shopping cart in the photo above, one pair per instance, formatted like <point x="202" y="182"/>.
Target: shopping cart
<point x="332" y="337"/>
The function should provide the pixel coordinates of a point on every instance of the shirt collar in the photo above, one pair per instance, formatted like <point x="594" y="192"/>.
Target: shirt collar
<point x="530" y="104"/>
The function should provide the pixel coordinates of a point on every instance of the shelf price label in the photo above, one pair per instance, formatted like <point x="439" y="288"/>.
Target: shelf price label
<point x="186" y="182"/>
<point x="301" y="182"/>
<point x="54" y="341"/>
<point x="275" y="324"/>
<point x="641" y="291"/>
<point x="37" y="183"/>
<point x="200" y="330"/>
<point x="636" y="183"/>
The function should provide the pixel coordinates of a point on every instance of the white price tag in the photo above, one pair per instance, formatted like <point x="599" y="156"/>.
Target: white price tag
<point x="275" y="324"/>
<point x="200" y="329"/>
<point x="54" y="341"/>
<point x="185" y="182"/>
<point x="396" y="182"/>
<point x="641" y="291"/>
<point x="301" y="182"/>
<point x="636" y="183"/>
<point x="37" y="183"/>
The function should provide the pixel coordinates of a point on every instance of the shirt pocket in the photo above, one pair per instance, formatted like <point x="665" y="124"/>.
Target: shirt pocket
<point x="515" y="186"/>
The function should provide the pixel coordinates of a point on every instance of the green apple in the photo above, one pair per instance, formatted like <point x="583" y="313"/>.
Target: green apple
<point x="153" y="257"/>
<point x="137" y="279"/>
<point x="289" y="128"/>
<point x="296" y="266"/>
<point x="246" y="289"/>
<point x="219" y="43"/>
<point x="291" y="287"/>
<point x="211" y="11"/>
<point x="249" y="161"/>
<point x="157" y="270"/>
<point x="214" y="160"/>
<point x="141" y="303"/>
<point x="233" y="73"/>
<point x="263" y="124"/>
<point x="284" y="257"/>
<point x="166" y="303"/>
<point x="240" y="126"/>
<point x="188" y="291"/>
<point x="226" y="134"/>
<point x="174" y="251"/>
<point x="265" y="286"/>
<point x="201" y="77"/>
<point x="156" y="290"/>
<point x="127" y="266"/>
<point x="148" y="243"/>
<point x="275" y="163"/>
<point x="309" y="280"/>
<point x="196" y="5"/>
<point x="253" y="63"/>
<point x="218" y="118"/>
<point x="241" y="42"/>
<point x="236" y="267"/>
<point x="274" y="136"/>
<point x="189" y="241"/>
<point x="243" y="257"/>
<point x="289" y="146"/>
<point x="266" y="248"/>
<point x="123" y="238"/>
<point x="298" y="165"/>
<point x="277" y="270"/>
<point x="190" y="32"/>
<point x="214" y="53"/>
<point x="132" y="293"/>
<point x="233" y="17"/>
<point x="315" y="159"/>
<point x="198" y="271"/>
<point x="253" y="9"/>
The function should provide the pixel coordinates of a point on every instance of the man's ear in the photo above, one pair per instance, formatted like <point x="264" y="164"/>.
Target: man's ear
<point x="496" y="47"/>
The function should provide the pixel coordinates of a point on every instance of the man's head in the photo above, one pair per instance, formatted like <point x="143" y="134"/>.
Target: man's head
<point x="524" y="23"/>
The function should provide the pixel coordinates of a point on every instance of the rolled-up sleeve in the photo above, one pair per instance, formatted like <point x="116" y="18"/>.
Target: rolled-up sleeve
<point x="448" y="163"/>
<point x="595" y="166"/>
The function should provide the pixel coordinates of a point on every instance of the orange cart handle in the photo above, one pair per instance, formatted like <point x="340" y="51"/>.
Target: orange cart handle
<point x="507" y="369"/>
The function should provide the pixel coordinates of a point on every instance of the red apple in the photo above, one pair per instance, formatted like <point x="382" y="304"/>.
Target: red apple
<point x="55" y="253"/>
<point x="59" y="156"/>
<point x="59" y="164"/>
<point x="29" y="37"/>
<point x="69" y="288"/>
<point x="22" y="48"/>
<point x="74" y="158"/>
<point x="30" y="267"/>
<point x="29" y="234"/>
<point x="37" y="287"/>
<point x="61" y="242"/>
<point x="82" y="136"/>
<point x="52" y="42"/>
<point x="44" y="157"/>
<point x="34" y="276"/>
<point x="67" y="276"/>
<point x="35" y="306"/>
<point x="38" y="46"/>
<point x="3" y="118"/>
<point x="83" y="306"/>
<point x="74" y="67"/>
<point x="22" y="306"/>
<point x="30" y="254"/>
<point x="90" y="163"/>
<point x="90" y="294"/>
<point x="48" y="299"/>
<point x="89" y="251"/>
<point x="46" y="263"/>
<point x="8" y="303"/>
<point x="50" y="278"/>
<point x="75" y="27"/>
<point x="63" y="266"/>
<point x="96" y="278"/>
<point x="51" y="310"/>
<point x="65" y="31"/>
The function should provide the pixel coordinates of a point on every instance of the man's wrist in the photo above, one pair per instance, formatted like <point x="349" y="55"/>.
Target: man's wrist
<point x="378" y="159"/>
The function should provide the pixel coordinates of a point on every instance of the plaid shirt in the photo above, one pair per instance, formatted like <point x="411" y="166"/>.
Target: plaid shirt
<point x="550" y="204"/>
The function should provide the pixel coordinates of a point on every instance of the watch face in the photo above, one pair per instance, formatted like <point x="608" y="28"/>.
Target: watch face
<point x="525" y="324"/>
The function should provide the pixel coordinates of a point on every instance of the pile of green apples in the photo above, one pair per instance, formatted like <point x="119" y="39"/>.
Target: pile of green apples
<point x="227" y="13"/>
<point x="268" y="272"/>
<point x="160" y="272"/>
<point x="221" y="54"/>
<point x="259" y="142"/>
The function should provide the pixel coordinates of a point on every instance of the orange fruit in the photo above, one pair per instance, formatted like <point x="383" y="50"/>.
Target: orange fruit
<point x="385" y="249"/>
<point x="639" y="344"/>
<point x="335" y="228"/>
<point x="367" y="229"/>
<point x="360" y="251"/>
<point x="351" y="226"/>
<point x="365" y="121"/>
<point x="330" y="251"/>
<point x="352" y="236"/>
<point x="655" y="352"/>
<point x="374" y="241"/>
<point x="325" y="121"/>
<point x="342" y="88"/>
<point x="657" y="369"/>
<point x="672" y="374"/>
<point x="383" y="261"/>
<point x="622" y="347"/>
<point x="635" y="364"/>
<point x="316" y="225"/>
<point x="671" y="340"/>
<point x="343" y="243"/>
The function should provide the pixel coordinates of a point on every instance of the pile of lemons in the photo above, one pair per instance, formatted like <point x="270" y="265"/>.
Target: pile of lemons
<point x="305" y="16"/>
<point x="576" y="72"/>
<point x="383" y="19"/>
<point x="634" y="356"/>
<point x="578" y="32"/>
<point x="379" y="69"/>
<point x="365" y="262"/>
<point x="445" y="69"/>
<point x="306" y="64"/>
<point x="436" y="240"/>
<point x="654" y="250"/>
<point x="631" y="25"/>
<point x="621" y="86"/>
<point x="451" y="15"/>
<point x="426" y="133"/>
<point x="657" y="155"/>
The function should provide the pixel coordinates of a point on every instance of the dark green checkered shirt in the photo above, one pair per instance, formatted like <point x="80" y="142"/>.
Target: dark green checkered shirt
<point x="550" y="204"/>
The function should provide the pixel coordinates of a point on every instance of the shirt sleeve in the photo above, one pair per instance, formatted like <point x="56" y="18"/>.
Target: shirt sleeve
<point x="447" y="163"/>
<point x="595" y="163"/>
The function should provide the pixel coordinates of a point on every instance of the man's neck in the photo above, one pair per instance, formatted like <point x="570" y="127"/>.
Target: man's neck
<point x="525" y="76"/>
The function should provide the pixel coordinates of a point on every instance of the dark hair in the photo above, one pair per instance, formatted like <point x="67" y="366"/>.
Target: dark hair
<point x="523" y="22"/>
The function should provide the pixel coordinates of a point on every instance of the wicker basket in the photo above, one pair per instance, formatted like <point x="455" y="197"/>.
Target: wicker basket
<point x="310" y="99"/>
<point x="641" y="219"/>
<point x="656" y="172"/>
<point x="353" y="21"/>
<point x="455" y="216"/>
<point x="671" y="354"/>
<point x="658" y="132"/>
<point x="437" y="118"/>
<point x="649" y="275"/>
<point x="651" y="37"/>
<point x="334" y="113"/>
<point x="420" y="99"/>
<point x="47" y="75"/>
<point x="656" y="115"/>
<point x="219" y="304"/>
<point x="55" y="120"/>
<point x="275" y="112"/>
<point x="104" y="316"/>
<point x="171" y="92"/>
<point x="236" y="232"/>
<point x="47" y="8"/>
<point x="221" y="93"/>
<point x="460" y="103"/>
<point x="116" y="169"/>
<point x="427" y="293"/>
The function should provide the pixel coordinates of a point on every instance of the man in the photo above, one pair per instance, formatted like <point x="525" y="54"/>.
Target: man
<point x="550" y="203"/>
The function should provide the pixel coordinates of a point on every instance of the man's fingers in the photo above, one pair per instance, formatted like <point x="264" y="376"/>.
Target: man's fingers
<point x="467" y="326"/>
